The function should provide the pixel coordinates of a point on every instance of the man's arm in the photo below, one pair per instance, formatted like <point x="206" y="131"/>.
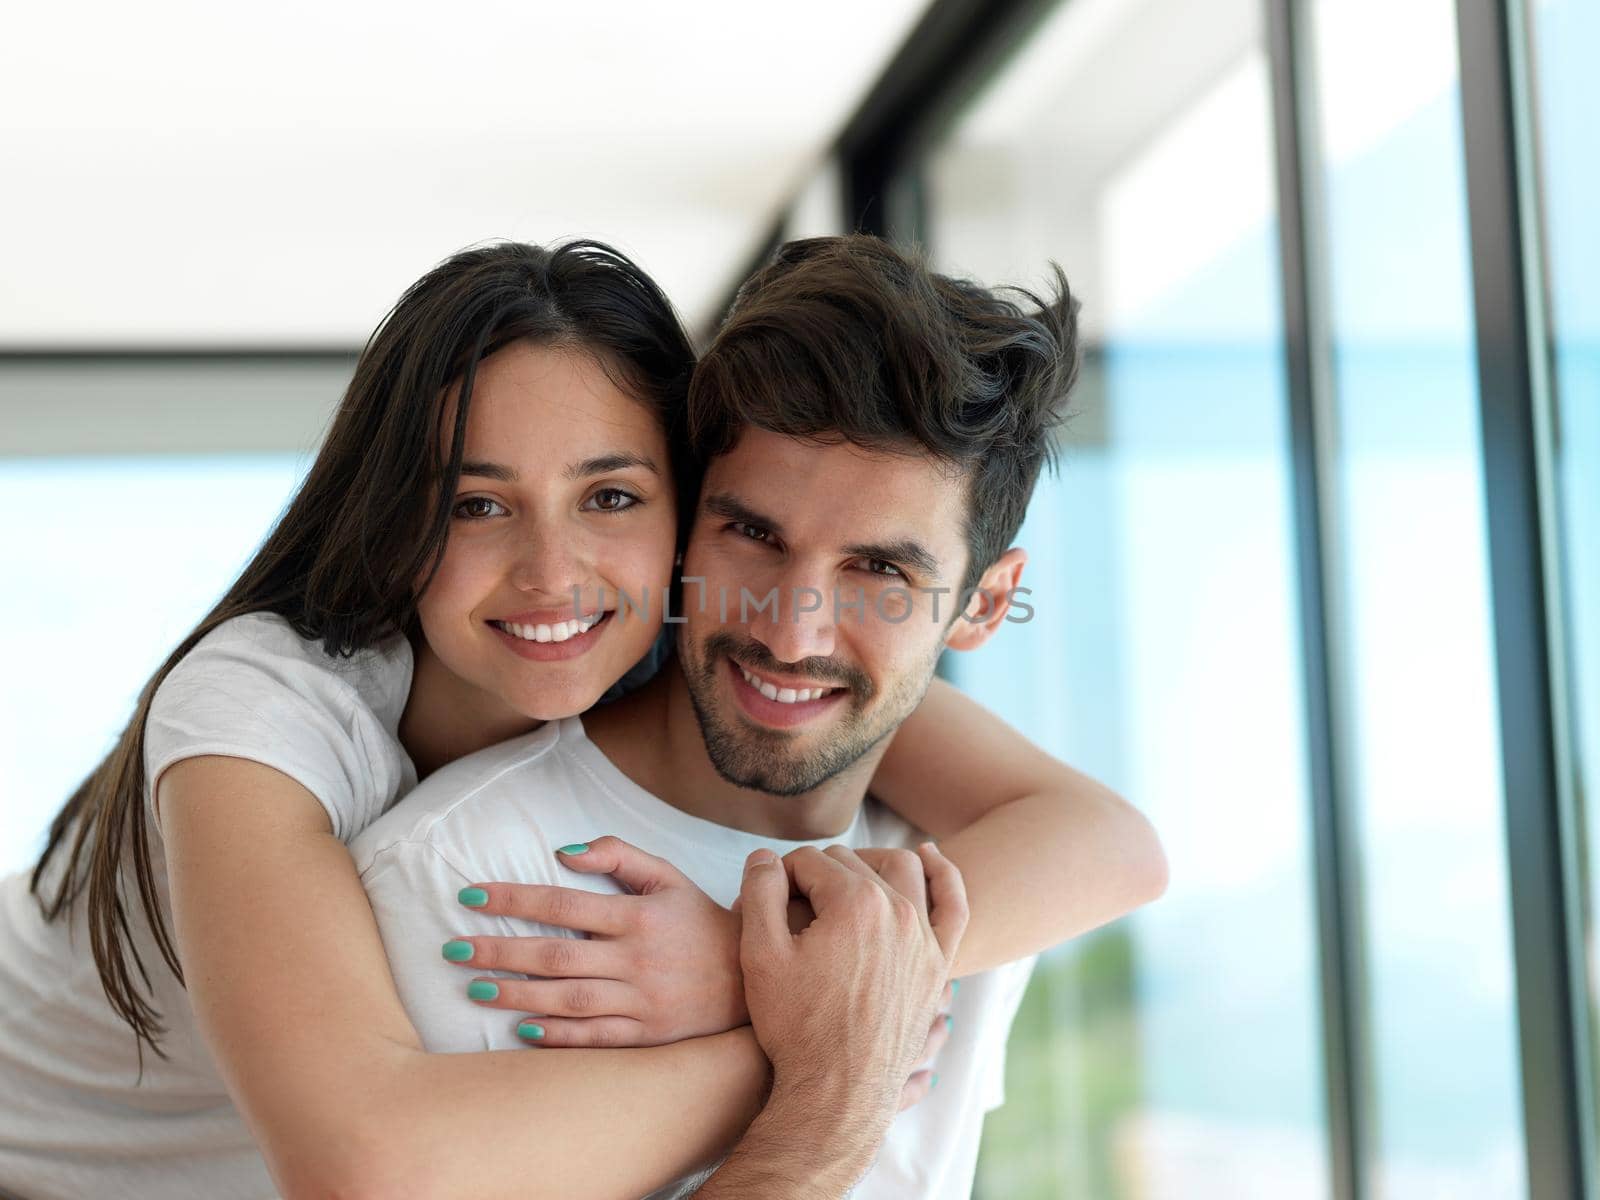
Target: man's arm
<point x="1047" y="853"/>
<point x="841" y="1009"/>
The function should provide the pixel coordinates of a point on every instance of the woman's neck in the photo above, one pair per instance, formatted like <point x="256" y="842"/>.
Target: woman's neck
<point x="447" y="718"/>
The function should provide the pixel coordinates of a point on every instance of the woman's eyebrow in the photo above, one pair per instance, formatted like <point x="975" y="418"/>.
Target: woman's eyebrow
<point x="489" y="470"/>
<point x="599" y="465"/>
<point x="618" y="461"/>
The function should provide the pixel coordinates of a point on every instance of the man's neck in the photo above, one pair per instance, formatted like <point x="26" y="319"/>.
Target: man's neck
<point x="653" y="737"/>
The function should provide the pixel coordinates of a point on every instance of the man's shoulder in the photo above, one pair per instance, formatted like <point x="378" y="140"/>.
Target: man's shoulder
<point x="497" y="788"/>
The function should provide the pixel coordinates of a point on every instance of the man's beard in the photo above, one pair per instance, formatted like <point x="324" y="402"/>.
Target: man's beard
<point x="769" y="760"/>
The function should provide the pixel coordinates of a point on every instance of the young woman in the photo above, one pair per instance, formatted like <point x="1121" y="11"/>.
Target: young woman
<point x="196" y="897"/>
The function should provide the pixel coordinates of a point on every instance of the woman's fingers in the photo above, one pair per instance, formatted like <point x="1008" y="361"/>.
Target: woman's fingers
<point x="922" y="1080"/>
<point x="938" y="1035"/>
<point x="626" y="863"/>
<point x="916" y="1089"/>
<point x="558" y="997"/>
<point x="568" y="908"/>
<point x="554" y="957"/>
<point x="596" y="1033"/>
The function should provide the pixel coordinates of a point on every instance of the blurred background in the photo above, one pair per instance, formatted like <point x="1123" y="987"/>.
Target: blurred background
<point x="1317" y="585"/>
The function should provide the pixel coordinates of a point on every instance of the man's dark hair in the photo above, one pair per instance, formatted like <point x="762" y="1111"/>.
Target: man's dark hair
<point x="849" y="339"/>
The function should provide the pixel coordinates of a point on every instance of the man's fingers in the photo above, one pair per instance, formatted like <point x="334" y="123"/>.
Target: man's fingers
<point x="947" y="897"/>
<point x="764" y="901"/>
<point x="595" y="1033"/>
<point x="816" y="875"/>
<point x="902" y="870"/>
<point x="630" y="866"/>
<point x="568" y="908"/>
<point x="850" y="860"/>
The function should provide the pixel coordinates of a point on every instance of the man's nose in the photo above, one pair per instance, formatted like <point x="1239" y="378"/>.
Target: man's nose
<point x="801" y="624"/>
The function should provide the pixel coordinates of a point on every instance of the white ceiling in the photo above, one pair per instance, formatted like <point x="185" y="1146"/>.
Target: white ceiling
<point x="191" y="174"/>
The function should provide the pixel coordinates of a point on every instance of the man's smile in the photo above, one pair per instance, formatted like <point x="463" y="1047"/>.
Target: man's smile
<point x="779" y="702"/>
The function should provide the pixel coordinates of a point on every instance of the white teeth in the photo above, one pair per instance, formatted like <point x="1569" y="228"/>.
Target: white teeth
<point x="782" y="695"/>
<point x="559" y="632"/>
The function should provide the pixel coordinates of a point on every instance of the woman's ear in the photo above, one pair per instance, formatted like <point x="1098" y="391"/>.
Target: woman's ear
<point x="990" y="602"/>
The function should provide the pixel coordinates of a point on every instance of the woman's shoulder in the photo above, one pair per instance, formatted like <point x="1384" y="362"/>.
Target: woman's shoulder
<point x="256" y="688"/>
<point x="254" y="647"/>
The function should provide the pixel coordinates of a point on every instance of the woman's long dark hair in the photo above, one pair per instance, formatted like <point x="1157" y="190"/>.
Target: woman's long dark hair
<point x="342" y="564"/>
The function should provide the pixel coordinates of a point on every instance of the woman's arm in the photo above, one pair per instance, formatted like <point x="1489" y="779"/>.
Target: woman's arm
<point x="287" y="975"/>
<point x="1047" y="853"/>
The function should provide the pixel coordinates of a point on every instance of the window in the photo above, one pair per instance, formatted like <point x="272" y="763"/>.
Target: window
<point x="1178" y="1053"/>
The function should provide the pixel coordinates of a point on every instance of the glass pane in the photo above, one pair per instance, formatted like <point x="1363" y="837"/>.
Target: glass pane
<point x="1412" y="600"/>
<point x="132" y="490"/>
<point x="122" y="558"/>
<point x="1177" y="1053"/>
<point x="1567" y="97"/>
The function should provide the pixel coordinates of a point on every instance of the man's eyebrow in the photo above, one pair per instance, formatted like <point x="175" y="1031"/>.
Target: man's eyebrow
<point x="731" y="508"/>
<point x="907" y="552"/>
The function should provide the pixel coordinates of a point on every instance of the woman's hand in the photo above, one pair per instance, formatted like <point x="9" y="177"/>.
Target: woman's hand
<point x="657" y="966"/>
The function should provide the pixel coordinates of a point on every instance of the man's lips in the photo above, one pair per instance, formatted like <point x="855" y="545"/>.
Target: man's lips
<point x="779" y="712"/>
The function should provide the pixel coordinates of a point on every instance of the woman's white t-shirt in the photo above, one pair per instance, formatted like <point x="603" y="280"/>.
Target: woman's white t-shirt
<point x="76" y="1117"/>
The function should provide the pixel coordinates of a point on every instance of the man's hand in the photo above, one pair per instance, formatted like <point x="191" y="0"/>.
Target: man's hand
<point x="842" y="1009"/>
<point x="657" y="966"/>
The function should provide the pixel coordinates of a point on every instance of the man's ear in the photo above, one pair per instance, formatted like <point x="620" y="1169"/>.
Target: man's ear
<point x="977" y="623"/>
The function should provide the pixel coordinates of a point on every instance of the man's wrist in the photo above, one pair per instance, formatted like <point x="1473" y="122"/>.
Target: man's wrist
<point x="811" y="1141"/>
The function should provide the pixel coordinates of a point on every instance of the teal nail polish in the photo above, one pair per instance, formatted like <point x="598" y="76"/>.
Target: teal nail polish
<point x="482" y="989"/>
<point x="934" y="1082"/>
<point x="949" y="1022"/>
<point x="473" y="897"/>
<point x="955" y="986"/>
<point x="530" y="1031"/>
<point x="575" y="848"/>
<point x="458" y="951"/>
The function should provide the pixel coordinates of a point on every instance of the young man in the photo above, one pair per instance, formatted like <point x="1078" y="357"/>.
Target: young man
<point x="871" y="434"/>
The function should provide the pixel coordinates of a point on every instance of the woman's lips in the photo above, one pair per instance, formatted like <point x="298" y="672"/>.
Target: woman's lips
<point x="552" y="651"/>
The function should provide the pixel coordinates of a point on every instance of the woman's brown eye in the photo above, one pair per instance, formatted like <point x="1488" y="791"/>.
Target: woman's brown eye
<point x="475" y="507"/>
<point x="613" y="500"/>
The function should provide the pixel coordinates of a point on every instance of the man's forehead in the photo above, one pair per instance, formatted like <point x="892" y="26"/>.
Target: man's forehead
<point x="851" y="490"/>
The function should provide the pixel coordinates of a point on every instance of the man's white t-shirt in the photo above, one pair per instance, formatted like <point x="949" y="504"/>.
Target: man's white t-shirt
<point x="77" y="1118"/>
<point x="500" y="814"/>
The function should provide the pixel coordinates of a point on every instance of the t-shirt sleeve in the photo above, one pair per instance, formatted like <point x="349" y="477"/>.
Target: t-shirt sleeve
<point x="252" y="697"/>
